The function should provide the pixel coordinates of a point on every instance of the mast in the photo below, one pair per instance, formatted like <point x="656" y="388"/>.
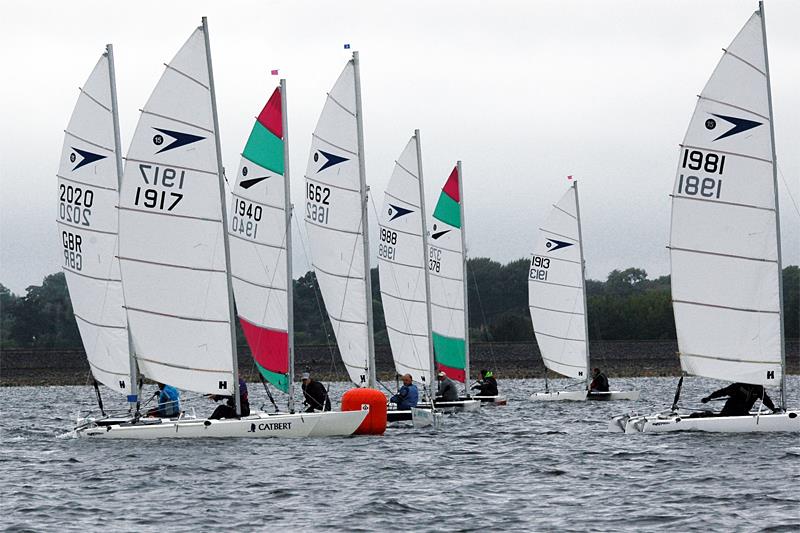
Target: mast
<point x="777" y="209"/>
<point x="583" y="284"/>
<point x="466" y="285"/>
<point x="288" y="220"/>
<point x="225" y="239"/>
<point x="425" y="262"/>
<point x="133" y="397"/>
<point x="364" y="221"/>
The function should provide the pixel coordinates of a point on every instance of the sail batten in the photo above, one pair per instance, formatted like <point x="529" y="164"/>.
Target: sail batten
<point x="725" y="261"/>
<point x="88" y="185"/>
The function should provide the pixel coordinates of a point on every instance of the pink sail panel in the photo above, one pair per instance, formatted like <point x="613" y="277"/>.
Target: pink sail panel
<point x="270" y="348"/>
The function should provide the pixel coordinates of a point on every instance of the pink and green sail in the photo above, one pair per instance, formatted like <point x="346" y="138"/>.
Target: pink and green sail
<point x="259" y="257"/>
<point x="447" y="281"/>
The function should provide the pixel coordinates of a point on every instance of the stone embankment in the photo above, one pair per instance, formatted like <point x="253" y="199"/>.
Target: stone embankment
<point x="507" y="360"/>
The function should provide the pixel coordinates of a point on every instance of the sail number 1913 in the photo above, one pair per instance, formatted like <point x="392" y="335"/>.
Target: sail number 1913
<point x="709" y="163"/>
<point x="539" y="266"/>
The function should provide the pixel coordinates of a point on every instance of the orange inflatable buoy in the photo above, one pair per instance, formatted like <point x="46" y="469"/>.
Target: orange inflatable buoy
<point x="368" y="400"/>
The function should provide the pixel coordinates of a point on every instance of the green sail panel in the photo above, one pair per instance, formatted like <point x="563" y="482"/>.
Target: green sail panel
<point x="279" y="380"/>
<point x="264" y="149"/>
<point x="448" y="211"/>
<point x="449" y="351"/>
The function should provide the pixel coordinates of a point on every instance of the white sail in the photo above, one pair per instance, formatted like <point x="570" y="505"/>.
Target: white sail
<point x="333" y="215"/>
<point x="556" y="291"/>
<point x="87" y="222"/>
<point x="401" y="266"/>
<point x="723" y="242"/>
<point x="172" y="249"/>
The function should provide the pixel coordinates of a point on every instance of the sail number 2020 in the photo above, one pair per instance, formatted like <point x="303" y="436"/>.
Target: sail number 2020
<point x="710" y="163"/>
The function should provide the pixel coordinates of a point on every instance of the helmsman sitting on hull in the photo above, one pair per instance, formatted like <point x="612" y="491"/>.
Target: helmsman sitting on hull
<point x="487" y="386"/>
<point x="408" y="395"/>
<point x="741" y="398"/>
<point x="599" y="382"/>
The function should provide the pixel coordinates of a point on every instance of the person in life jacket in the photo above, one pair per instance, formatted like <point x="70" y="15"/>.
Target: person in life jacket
<point x="599" y="381"/>
<point x="228" y="409"/>
<point x="169" y="402"/>
<point x="315" y="396"/>
<point x="408" y="395"/>
<point x="487" y="386"/>
<point x="741" y="397"/>
<point x="448" y="392"/>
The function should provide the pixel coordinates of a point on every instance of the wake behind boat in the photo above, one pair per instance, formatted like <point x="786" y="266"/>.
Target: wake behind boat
<point x="725" y="249"/>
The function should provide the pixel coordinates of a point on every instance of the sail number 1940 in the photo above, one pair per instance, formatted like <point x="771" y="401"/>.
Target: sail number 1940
<point x="707" y="187"/>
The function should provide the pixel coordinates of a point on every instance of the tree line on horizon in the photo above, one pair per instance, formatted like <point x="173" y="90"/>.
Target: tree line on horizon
<point x="626" y="306"/>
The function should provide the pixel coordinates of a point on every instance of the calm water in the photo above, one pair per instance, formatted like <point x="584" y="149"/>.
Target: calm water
<point x="531" y="467"/>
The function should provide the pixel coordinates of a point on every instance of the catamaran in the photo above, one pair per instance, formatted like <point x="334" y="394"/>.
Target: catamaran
<point x="557" y="302"/>
<point x="725" y="246"/>
<point x="88" y="190"/>
<point x="447" y="263"/>
<point x="175" y="261"/>
<point x="404" y="273"/>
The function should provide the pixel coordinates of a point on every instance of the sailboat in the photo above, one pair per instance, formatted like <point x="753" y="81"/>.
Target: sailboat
<point x="337" y="223"/>
<point x="447" y="263"/>
<point x="175" y="259"/>
<point x="261" y="258"/>
<point x="404" y="276"/>
<point x="88" y="190"/>
<point x="725" y="246"/>
<point x="557" y="302"/>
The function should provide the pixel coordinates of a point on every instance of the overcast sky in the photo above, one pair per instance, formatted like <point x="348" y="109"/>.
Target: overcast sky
<point x="523" y="92"/>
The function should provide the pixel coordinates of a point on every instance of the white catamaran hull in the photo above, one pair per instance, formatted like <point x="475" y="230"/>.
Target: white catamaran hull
<point x="421" y="418"/>
<point x="491" y="400"/>
<point x="667" y="422"/>
<point x="260" y="425"/>
<point x="460" y="406"/>
<point x="579" y="396"/>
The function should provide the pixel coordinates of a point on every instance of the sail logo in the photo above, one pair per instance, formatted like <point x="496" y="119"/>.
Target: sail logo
<point x="436" y="234"/>
<point x="739" y="125"/>
<point x="395" y="211"/>
<point x="552" y="245"/>
<point x="179" y="139"/>
<point x="330" y="159"/>
<point x="246" y="184"/>
<point x="87" y="158"/>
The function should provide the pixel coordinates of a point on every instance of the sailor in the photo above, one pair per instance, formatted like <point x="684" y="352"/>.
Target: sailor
<point x="228" y="409"/>
<point x="447" y="389"/>
<point x="314" y="394"/>
<point x="169" y="402"/>
<point x="487" y="386"/>
<point x="599" y="381"/>
<point x="741" y="397"/>
<point x="408" y="395"/>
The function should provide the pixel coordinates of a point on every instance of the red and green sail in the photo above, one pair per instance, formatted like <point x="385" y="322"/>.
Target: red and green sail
<point x="266" y="334"/>
<point x="447" y="282"/>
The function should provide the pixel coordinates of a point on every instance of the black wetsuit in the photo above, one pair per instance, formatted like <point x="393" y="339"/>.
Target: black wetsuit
<point x="316" y="397"/>
<point x="599" y="383"/>
<point x="228" y="409"/>
<point x="741" y="397"/>
<point x="487" y="387"/>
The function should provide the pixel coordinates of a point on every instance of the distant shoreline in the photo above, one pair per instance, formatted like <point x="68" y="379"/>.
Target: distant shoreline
<point x="24" y="367"/>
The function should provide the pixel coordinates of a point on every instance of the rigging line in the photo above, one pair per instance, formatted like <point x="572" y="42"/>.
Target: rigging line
<point x="397" y="288"/>
<point x="315" y="289"/>
<point x="788" y="190"/>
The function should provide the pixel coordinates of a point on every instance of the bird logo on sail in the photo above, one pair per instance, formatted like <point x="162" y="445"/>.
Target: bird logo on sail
<point x="395" y="211"/>
<point x="180" y="139"/>
<point x="436" y="234"/>
<point x="330" y="159"/>
<point x="739" y="125"/>
<point x="552" y="245"/>
<point x="86" y="158"/>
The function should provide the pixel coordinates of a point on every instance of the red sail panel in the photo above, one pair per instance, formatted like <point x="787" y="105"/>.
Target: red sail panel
<point x="457" y="374"/>
<point x="451" y="187"/>
<point x="271" y="116"/>
<point x="270" y="348"/>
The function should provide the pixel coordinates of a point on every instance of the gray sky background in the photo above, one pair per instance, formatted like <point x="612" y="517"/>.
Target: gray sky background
<point x="524" y="93"/>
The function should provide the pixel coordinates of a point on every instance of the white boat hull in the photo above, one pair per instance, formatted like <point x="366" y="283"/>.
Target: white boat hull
<point x="669" y="422"/>
<point x="491" y="400"/>
<point x="579" y="396"/>
<point x="421" y="418"/>
<point x="259" y="425"/>
<point x="460" y="406"/>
